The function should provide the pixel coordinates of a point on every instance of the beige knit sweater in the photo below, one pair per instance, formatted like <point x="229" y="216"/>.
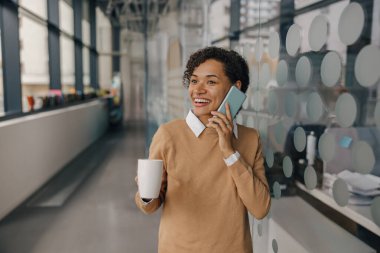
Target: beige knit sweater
<point x="205" y="202"/>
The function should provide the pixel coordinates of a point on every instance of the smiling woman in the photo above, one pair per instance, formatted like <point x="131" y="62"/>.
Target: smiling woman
<point x="213" y="168"/>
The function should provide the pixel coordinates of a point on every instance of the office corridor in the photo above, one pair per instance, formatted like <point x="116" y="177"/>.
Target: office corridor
<point x="98" y="216"/>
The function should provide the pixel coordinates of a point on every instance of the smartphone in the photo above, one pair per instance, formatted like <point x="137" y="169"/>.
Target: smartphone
<point x="235" y="99"/>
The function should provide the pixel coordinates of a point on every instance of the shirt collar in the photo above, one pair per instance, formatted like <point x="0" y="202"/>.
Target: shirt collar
<point x="197" y="126"/>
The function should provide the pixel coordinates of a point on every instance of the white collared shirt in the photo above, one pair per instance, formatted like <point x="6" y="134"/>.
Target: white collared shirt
<point x="197" y="126"/>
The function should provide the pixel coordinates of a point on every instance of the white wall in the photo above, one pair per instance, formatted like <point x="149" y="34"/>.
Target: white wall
<point x="35" y="147"/>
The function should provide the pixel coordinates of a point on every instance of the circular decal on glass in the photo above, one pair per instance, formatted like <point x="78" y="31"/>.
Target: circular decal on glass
<point x="345" y="110"/>
<point x="276" y="190"/>
<point x="326" y="146"/>
<point x="291" y="104"/>
<point x="318" y="32"/>
<point x="367" y="66"/>
<point x="340" y="192"/>
<point x="310" y="177"/>
<point x="287" y="166"/>
<point x="363" y="158"/>
<point x="282" y="73"/>
<point x="269" y="157"/>
<point x="303" y="71"/>
<point x="272" y="102"/>
<point x="293" y="40"/>
<point x="331" y="69"/>
<point x="314" y="107"/>
<point x="299" y="139"/>
<point x="274" y="45"/>
<point x="351" y="23"/>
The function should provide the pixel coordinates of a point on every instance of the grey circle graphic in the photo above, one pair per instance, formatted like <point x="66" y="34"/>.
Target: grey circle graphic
<point x="331" y="69"/>
<point x="274" y="246"/>
<point x="367" y="66"/>
<point x="299" y="139"/>
<point x="282" y="72"/>
<point x="272" y="102"/>
<point x="346" y="110"/>
<point x="264" y="75"/>
<point x="293" y="40"/>
<point x="351" y="23"/>
<point x="340" y="192"/>
<point x="291" y="104"/>
<point x="363" y="157"/>
<point x="375" y="210"/>
<point x="250" y="122"/>
<point x="314" y="107"/>
<point x="260" y="229"/>
<point x="303" y="71"/>
<point x="276" y="190"/>
<point x="310" y="177"/>
<point x="287" y="166"/>
<point x="377" y="114"/>
<point x="274" y="45"/>
<point x="327" y="146"/>
<point x="269" y="157"/>
<point x="279" y="133"/>
<point x="318" y="32"/>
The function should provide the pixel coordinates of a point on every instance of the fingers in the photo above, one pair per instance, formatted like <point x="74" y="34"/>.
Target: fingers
<point x="227" y="121"/>
<point x="228" y="112"/>
<point x="222" y="125"/>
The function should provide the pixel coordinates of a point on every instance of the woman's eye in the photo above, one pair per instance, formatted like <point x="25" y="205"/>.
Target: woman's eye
<point x="193" y="81"/>
<point x="211" y="82"/>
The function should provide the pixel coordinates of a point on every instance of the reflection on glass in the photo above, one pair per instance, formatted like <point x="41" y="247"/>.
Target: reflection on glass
<point x="351" y="23"/>
<point x="367" y="66"/>
<point x="34" y="61"/>
<point x="265" y="75"/>
<point x="318" y="32"/>
<point x="331" y="69"/>
<point x="293" y="40"/>
<point x="340" y="192"/>
<point x="346" y="110"/>
<point x="362" y="157"/>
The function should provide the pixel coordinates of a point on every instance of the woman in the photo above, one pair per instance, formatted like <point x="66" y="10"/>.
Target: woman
<point x="213" y="168"/>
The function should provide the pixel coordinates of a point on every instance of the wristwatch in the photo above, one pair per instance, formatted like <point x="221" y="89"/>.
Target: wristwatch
<point x="232" y="158"/>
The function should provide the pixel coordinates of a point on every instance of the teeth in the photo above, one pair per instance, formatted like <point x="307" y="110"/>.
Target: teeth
<point x="200" y="100"/>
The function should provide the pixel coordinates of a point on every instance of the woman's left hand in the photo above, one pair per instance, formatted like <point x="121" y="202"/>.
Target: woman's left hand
<point x="224" y="126"/>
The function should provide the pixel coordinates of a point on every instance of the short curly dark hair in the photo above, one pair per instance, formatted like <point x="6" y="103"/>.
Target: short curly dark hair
<point x="235" y="66"/>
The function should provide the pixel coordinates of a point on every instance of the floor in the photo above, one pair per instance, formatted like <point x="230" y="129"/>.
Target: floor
<point x="99" y="214"/>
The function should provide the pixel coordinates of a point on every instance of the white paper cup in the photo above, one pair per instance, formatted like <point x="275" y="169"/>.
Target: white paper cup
<point x="149" y="173"/>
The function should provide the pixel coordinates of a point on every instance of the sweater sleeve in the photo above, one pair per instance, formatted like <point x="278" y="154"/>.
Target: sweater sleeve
<point x="251" y="183"/>
<point x="157" y="150"/>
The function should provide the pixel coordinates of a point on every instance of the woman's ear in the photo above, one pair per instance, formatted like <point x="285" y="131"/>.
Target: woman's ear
<point x="238" y="84"/>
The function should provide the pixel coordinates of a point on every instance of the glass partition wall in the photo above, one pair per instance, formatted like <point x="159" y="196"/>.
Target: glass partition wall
<point x="315" y="69"/>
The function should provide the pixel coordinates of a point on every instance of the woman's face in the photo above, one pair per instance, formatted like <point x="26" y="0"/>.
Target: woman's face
<point x="208" y="87"/>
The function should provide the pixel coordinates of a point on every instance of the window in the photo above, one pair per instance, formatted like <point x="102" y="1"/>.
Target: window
<point x="86" y="23"/>
<point x="67" y="64"/>
<point x="86" y="66"/>
<point x="34" y="60"/>
<point x="1" y="81"/>
<point x="66" y="16"/>
<point x="38" y="7"/>
<point x="104" y="47"/>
